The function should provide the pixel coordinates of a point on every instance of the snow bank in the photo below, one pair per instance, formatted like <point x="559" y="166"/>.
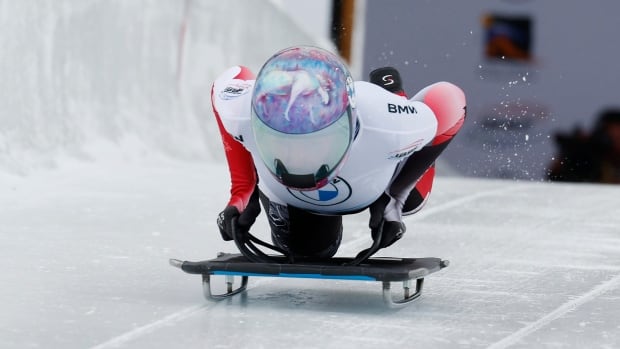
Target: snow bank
<point x="99" y="79"/>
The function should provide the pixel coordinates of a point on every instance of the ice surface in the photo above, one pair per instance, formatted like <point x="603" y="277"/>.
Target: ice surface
<point x="108" y="168"/>
<point x="86" y="251"/>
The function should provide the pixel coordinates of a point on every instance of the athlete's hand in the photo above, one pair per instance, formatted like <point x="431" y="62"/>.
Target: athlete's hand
<point x="391" y="230"/>
<point x="244" y="220"/>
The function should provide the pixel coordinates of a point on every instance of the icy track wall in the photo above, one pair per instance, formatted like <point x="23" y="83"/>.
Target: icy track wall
<point x="107" y="79"/>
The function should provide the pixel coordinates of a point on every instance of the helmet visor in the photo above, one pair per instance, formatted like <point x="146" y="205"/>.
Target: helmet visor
<point x="305" y="161"/>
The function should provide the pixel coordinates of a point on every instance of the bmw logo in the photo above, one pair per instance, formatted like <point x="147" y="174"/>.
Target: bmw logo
<point x="337" y="191"/>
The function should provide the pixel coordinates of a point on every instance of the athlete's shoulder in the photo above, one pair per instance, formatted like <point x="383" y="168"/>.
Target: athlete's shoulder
<point x="381" y="108"/>
<point x="392" y="126"/>
<point x="231" y="92"/>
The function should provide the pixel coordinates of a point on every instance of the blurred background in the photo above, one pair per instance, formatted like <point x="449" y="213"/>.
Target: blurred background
<point x="117" y="81"/>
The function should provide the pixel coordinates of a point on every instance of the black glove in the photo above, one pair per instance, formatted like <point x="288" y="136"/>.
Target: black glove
<point x="390" y="231"/>
<point x="244" y="219"/>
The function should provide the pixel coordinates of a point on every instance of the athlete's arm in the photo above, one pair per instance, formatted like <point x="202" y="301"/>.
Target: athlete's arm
<point x="407" y="125"/>
<point x="232" y="109"/>
<point x="226" y="109"/>
<point x="412" y="182"/>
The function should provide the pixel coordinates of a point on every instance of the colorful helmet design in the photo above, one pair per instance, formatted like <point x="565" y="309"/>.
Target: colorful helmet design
<point x="302" y="116"/>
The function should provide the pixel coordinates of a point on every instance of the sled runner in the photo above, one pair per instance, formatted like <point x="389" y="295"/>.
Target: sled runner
<point x="385" y="270"/>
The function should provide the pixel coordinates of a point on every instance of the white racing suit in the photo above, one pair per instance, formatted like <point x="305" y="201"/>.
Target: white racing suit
<point x="390" y="162"/>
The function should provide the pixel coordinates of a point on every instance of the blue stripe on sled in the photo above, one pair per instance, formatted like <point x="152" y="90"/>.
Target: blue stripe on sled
<point x="301" y="276"/>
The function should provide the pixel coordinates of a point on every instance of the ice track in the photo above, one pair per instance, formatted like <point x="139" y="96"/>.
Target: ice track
<point x="86" y="251"/>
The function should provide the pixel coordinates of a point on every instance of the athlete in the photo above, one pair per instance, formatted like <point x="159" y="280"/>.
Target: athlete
<point x="312" y="145"/>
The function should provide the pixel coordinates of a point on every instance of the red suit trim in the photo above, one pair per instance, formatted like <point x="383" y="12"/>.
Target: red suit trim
<point x="425" y="183"/>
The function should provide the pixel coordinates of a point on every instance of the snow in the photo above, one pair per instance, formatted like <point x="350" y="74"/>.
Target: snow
<point x="92" y="206"/>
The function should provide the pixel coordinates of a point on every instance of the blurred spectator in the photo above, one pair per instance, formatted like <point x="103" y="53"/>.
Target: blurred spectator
<point x="589" y="157"/>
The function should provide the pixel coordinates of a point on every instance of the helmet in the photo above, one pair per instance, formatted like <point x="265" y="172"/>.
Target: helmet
<point x="302" y="116"/>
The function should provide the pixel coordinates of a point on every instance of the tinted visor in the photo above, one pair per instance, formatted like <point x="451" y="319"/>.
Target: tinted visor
<point x="305" y="161"/>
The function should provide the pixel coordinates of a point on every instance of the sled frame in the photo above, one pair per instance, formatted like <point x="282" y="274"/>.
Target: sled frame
<point x="233" y="266"/>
